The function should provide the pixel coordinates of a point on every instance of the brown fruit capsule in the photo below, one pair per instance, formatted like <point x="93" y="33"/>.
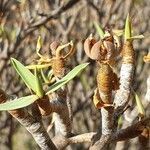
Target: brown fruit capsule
<point x="96" y="50"/>
<point x="110" y="50"/>
<point x="104" y="82"/>
<point x="58" y="66"/>
<point x="88" y="44"/>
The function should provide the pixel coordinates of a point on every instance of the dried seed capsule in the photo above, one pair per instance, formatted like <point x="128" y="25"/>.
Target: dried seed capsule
<point x="110" y="50"/>
<point x="98" y="103"/>
<point x="104" y="81"/>
<point x="96" y="51"/>
<point x="58" y="66"/>
<point x="88" y="44"/>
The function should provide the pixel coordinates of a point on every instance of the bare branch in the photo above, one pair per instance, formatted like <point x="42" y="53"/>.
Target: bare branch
<point x="36" y="128"/>
<point x="50" y="16"/>
<point x="131" y="131"/>
<point x="86" y="137"/>
<point x="32" y="124"/>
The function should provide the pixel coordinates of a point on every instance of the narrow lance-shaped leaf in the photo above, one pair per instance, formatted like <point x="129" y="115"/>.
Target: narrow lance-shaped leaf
<point x="99" y="30"/>
<point x="128" y="28"/>
<point x="18" y="103"/>
<point x="39" y="88"/>
<point x="67" y="78"/>
<point x="139" y="105"/>
<point x="25" y="74"/>
<point x="128" y="31"/>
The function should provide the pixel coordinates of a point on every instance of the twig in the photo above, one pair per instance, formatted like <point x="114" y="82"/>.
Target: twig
<point x="82" y="138"/>
<point x="131" y="131"/>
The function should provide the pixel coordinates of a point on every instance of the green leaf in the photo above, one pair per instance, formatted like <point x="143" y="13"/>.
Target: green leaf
<point x="128" y="31"/>
<point x="18" y="103"/>
<point x="39" y="88"/>
<point x="99" y="30"/>
<point x="139" y="105"/>
<point x="25" y="74"/>
<point x="67" y="78"/>
<point x="128" y="28"/>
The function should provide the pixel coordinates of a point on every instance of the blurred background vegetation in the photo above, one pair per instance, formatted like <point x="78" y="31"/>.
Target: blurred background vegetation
<point x="22" y="21"/>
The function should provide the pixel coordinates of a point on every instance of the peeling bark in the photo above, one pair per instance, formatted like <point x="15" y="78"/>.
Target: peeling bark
<point x="126" y="77"/>
<point x="63" y="123"/>
<point x="36" y="129"/>
<point x="32" y="123"/>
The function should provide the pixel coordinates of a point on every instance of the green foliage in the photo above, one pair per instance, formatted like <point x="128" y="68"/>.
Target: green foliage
<point x="67" y="78"/>
<point x="25" y="74"/>
<point x="139" y="105"/>
<point x="39" y="88"/>
<point x="34" y="82"/>
<point x="18" y="103"/>
<point x="128" y="28"/>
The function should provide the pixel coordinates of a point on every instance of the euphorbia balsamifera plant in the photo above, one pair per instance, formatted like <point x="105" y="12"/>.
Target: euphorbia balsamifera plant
<point x="35" y="82"/>
<point x="105" y="51"/>
<point x="111" y="95"/>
